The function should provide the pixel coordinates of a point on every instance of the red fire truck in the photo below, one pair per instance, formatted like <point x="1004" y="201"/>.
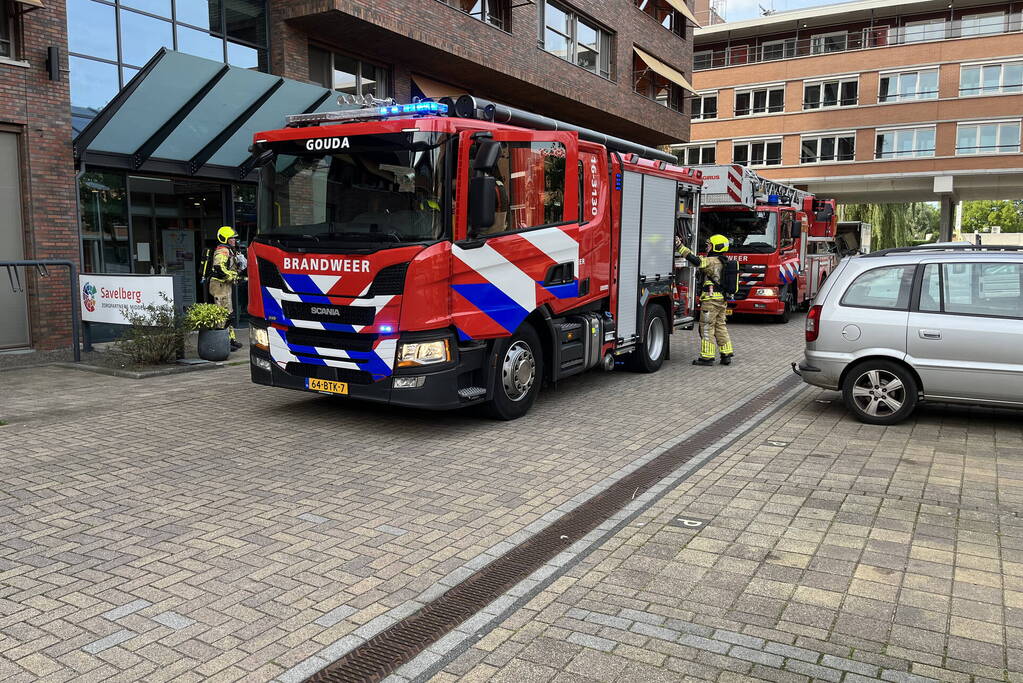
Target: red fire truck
<point x="783" y="238"/>
<point x="452" y="253"/>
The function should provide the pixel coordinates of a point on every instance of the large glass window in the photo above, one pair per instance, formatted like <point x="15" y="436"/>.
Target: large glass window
<point x="704" y="107"/>
<point x="760" y="101"/>
<point x="925" y="29"/>
<point x="825" y="148"/>
<point x="886" y="287"/>
<point x="778" y="49"/>
<point x="748" y="232"/>
<point x="908" y="85"/>
<point x="234" y="30"/>
<point x="905" y="143"/>
<point x="576" y="39"/>
<point x="696" y="154"/>
<point x="104" y="203"/>
<point x="757" y="153"/>
<point x="6" y="32"/>
<point x="494" y="12"/>
<point x="530" y="186"/>
<point x="656" y="87"/>
<point x="347" y="74"/>
<point x="831" y="93"/>
<point x="985" y="289"/>
<point x="666" y="15"/>
<point x="829" y="42"/>
<point x="988" y="138"/>
<point x="991" y="79"/>
<point x="982" y="24"/>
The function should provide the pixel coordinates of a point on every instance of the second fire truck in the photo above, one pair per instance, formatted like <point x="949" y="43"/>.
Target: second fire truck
<point x="783" y="238"/>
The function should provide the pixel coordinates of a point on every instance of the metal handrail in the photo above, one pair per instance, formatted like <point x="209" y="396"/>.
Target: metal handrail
<point x="41" y="267"/>
<point x="833" y="42"/>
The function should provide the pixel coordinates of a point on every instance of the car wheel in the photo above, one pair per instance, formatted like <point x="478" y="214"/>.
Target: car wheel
<point x="880" y="392"/>
<point x="650" y="356"/>
<point x="517" y="374"/>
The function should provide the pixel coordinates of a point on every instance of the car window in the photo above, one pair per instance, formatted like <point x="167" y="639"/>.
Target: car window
<point x="992" y="289"/>
<point x="930" y="291"/>
<point x="886" y="287"/>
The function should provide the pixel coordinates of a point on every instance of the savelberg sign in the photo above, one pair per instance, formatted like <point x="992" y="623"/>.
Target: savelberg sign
<point x="106" y="298"/>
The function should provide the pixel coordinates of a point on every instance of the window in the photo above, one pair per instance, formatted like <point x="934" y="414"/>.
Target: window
<point x="836" y="93"/>
<point x="520" y="170"/>
<point x="664" y="14"/>
<point x="494" y="12"/>
<point x="904" y="143"/>
<point x="828" y="148"/>
<point x="988" y="138"/>
<point x="704" y="107"/>
<point x="984" y="24"/>
<point x="908" y="85"/>
<point x="656" y="87"/>
<point x="695" y="155"/>
<point x="6" y="32"/>
<point x="760" y="101"/>
<point x="829" y="42"/>
<point x="576" y="39"/>
<point x="925" y="29"/>
<point x="886" y="287"/>
<point x="703" y="59"/>
<point x="778" y="49"/>
<point x="991" y="79"/>
<point x="757" y="153"/>
<point x="986" y="289"/>
<point x="348" y="74"/>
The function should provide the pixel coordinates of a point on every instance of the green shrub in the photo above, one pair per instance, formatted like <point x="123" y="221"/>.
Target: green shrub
<point x="155" y="336"/>
<point x="206" y="317"/>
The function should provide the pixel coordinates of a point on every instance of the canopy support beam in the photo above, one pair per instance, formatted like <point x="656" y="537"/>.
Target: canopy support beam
<point x="147" y="148"/>
<point x="214" y="145"/>
<point x="246" y="167"/>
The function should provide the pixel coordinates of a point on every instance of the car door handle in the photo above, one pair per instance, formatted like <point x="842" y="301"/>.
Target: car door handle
<point x="930" y="334"/>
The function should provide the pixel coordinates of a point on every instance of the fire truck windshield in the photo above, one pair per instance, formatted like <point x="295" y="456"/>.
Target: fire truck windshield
<point x="749" y="232"/>
<point x="356" y="190"/>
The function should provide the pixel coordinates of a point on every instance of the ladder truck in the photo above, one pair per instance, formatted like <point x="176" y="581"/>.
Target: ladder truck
<point x="783" y="238"/>
<point x="457" y="253"/>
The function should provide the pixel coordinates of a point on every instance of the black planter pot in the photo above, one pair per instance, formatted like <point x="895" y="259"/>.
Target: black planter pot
<point x="214" y="345"/>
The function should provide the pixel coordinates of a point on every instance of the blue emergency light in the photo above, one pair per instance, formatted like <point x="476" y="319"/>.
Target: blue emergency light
<point x="773" y="199"/>
<point x="383" y="112"/>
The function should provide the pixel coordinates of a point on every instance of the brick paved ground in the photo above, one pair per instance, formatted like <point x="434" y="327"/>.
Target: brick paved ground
<point x="835" y="551"/>
<point x="198" y="527"/>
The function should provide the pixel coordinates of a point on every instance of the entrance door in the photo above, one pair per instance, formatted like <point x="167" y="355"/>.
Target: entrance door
<point x="13" y="305"/>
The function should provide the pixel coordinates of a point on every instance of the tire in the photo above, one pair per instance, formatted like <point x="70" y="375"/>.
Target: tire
<point x="786" y="313"/>
<point x="651" y="356"/>
<point x="517" y="374"/>
<point x="869" y="395"/>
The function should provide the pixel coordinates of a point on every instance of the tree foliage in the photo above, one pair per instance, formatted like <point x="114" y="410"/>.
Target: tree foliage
<point x="891" y="223"/>
<point x="979" y="216"/>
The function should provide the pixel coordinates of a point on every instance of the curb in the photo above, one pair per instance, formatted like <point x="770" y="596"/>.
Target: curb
<point x="143" y="374"/>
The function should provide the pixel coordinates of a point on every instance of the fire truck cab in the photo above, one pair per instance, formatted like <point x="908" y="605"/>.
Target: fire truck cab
<point x="783" y="238"/>
<point x="446" y="254"/>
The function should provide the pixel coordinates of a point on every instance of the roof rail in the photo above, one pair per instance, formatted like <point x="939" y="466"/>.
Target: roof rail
<point x="948" y="246"/>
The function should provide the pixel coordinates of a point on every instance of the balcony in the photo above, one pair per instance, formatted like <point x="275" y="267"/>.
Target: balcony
<point x="829" y="42"/>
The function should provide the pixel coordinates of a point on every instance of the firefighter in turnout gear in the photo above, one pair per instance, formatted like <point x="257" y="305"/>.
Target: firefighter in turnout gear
<point x="226" y="270"/>
<point x="713" y="304"/>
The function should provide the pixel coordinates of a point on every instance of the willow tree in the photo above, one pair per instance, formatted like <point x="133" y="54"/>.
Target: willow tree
<point x="892" y="224"/>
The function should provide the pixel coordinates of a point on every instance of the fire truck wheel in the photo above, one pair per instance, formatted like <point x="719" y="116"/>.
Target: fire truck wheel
<point x="786" y="314"/>
<point x="655" y="342"/>
<point x="518" y="371"/>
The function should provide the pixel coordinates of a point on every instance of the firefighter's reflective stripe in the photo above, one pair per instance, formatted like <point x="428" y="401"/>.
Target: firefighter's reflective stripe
<point x="714" y="329"/>
<point x="222" y="262"/>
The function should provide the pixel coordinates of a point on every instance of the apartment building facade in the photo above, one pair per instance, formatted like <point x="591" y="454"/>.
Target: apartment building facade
<point x="868" y="101"/>
<point x="93" y="171"/>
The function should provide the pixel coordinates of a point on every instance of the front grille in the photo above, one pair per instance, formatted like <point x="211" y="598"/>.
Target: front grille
<point x="329" y="313"/>
<point x="325" y="372"/>
<point x="389" y="281"/>
<point x="347" y="341"/>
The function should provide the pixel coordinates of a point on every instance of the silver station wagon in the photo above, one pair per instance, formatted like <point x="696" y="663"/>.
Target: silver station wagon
<point x="937" y="323"/>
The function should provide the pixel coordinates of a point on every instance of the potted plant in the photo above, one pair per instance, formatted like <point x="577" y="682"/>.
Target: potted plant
<point x="211" y="322"/>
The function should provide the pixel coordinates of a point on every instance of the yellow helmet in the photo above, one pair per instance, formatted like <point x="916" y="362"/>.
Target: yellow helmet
<point x="226" y="233"/>
<point x="718" y="243"/>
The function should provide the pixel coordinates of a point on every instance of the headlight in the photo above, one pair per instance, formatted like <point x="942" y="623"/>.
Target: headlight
<point x="259" y="337"/>
<point x="423" y="353"/>
<point x="765" y="291"/>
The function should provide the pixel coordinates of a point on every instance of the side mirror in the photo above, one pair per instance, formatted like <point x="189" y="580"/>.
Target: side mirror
<point x="796" y="231"/>
<point x="482" y="203"/>
<point x="487" y="154"/>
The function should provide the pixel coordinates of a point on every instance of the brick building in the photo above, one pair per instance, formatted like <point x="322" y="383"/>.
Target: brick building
<point x="621" y="66"/>
<point x="868" y="101"/>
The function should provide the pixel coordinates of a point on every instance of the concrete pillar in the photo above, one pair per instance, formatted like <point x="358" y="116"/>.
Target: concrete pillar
<point x="948" y="217"/>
